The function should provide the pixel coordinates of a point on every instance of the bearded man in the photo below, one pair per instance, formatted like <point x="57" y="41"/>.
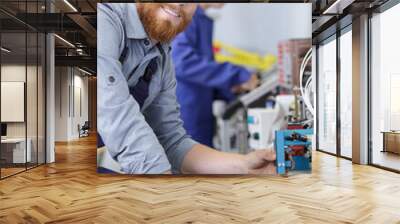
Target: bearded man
<point x="138" y="114"/>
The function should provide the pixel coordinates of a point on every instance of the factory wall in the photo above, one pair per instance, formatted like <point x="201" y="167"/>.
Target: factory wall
<point x="270" y="24"/>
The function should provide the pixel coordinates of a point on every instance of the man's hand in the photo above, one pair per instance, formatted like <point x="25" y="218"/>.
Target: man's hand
<point x="204" y="160"/>
<point x="251" y="84"/>
<point x="261" y="162"/>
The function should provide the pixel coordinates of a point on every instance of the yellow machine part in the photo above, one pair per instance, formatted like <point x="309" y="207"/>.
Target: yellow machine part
<point x="226" y="53"/>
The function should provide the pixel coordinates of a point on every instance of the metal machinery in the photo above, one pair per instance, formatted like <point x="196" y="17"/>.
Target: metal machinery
<point x="262" y="118"/>
<point x="294" y="72"/>
<point x="293" y="150"/>
<point x="231" y="119"/>
<point x="293" y="146"/>
<point x="262" y="122"/>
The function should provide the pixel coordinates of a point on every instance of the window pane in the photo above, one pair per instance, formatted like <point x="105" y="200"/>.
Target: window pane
<point x="346" y="94"/>
<point x="31" y="97"/>
<point x="327" y="97"/>
<point x="22" y="63"/>
<point x="14" y="153"/>
<point x="386" y="88"/>
<point x="41" y="98"/>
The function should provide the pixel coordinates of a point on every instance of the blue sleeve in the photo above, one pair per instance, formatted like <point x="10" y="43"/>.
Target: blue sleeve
<point x="192" y="67"/>
<point x="127" y="136"/>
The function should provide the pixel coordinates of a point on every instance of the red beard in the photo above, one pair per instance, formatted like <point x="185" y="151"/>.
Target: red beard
<point x="160" y="30"/>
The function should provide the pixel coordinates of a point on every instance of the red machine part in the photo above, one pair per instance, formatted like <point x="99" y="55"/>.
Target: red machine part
<point x="297" y="150"/>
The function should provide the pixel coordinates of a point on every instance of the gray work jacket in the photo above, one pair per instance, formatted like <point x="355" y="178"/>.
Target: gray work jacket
<point x="150" y="139"/>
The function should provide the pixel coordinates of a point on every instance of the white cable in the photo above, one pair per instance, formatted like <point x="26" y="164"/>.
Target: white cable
<point x="308" y="91"/>
<point x="302" y="69"/>
<point x="307" y="95"/>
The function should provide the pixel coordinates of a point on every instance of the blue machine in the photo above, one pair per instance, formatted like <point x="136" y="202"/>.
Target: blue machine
<point x="293" y="150"/>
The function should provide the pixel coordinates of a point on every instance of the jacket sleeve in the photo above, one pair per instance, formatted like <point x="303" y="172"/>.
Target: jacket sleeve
<point x="126" y="135"/>
<point x="164" y="117"/>
<point x="192" y="67"/>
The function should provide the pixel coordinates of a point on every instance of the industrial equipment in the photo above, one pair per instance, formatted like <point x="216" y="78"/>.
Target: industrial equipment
<point x="274" y="115"/>
<point x="293" y="150"/>
<point x="231" y="119"/>
<point x="260" y="123"/>
<point x="263" y="122"/>
<point x="290" y="59"/>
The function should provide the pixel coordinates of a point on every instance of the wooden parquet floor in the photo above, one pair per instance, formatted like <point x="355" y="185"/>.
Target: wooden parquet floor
<point x="70" y="191"/>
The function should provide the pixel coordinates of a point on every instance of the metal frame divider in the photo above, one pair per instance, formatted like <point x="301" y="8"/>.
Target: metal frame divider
<point x="44" y="71"/>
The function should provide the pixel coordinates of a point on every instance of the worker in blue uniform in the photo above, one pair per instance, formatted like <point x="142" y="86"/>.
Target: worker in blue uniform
<point x="201" y="80"/>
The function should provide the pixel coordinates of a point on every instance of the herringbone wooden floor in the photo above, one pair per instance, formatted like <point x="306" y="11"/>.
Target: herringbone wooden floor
<point x="70" y="191"/>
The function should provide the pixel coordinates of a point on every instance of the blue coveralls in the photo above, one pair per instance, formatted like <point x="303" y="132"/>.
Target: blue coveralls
<point x="201" y="80"/>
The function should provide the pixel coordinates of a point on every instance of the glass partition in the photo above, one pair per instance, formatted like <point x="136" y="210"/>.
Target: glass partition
<point x="22" y="78"/>
<point x="327" y="96"/>
<point x="14" y="153"/>
<point x="346" y="93"/>
<point x="385" y="89"/>
<point x="31" y="99"/>
<point x="41" y="97"/>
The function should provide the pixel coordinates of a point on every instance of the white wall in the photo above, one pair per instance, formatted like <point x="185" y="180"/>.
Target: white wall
<point x="61" y="103"/>
<point x="259" y="27"/>
<point x="70" y="83"/>
<point x="14" y="73"/>
<point x="17" y="73"/>
<point x="82" y="82"/>
<point x="79" y="117"/>
<point x="13" y="101"/>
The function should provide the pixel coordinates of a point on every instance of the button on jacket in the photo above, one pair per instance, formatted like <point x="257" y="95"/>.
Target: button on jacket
<point x="147" y="138"/>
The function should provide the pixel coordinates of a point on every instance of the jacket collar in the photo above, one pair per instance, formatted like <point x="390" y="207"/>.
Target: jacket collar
<point x="133" y="25"/>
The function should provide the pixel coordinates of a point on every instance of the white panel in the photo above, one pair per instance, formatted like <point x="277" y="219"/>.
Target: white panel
<point x="77" y="105"/>
<point x="76" y="119"/>
<point x="12" y="101"/>
<point x="260" y="27"/>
